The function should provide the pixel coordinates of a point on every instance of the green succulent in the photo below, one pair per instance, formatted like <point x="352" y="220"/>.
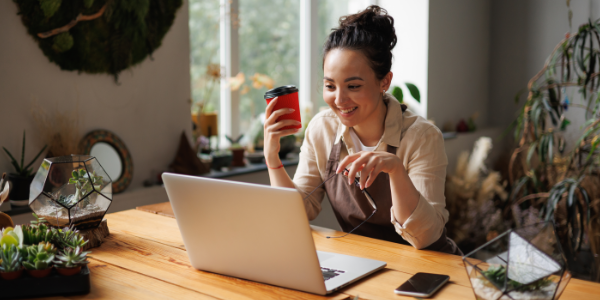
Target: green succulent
<point x="84" y="183"/>
<point x="39" y="257"/>
<point x="37" y="233"/>
<point x="71" y="258"/>
<point x="11" y="258"/>
<point x="497" y="274"/>
<point x="69" y="237"/>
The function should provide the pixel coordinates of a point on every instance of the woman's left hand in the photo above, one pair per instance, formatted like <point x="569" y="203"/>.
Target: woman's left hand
<point x="370" y="164"/>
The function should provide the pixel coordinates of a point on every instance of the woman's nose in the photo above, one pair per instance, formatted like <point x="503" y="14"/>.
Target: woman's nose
<point x="340" y="98"/>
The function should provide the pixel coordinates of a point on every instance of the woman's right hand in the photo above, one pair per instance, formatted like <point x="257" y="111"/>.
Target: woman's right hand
<point x="273" y="132"/>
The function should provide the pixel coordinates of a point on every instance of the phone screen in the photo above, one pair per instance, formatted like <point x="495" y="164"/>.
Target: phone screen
<point x="422" y="284"/>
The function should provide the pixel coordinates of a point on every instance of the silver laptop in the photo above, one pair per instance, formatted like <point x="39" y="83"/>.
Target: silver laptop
<point x="257" y="232"/>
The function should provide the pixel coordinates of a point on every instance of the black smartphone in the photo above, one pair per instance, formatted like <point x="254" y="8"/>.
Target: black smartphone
<point x="422" y="285"/>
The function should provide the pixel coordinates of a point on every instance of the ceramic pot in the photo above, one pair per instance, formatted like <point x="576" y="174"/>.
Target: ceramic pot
<point x="11" y="275"/>
<point x="39" y="273"/>
<point x="238" y="157"/>
<point x="20" y="186"/>
<point x="69" y="271"/>
<point x="208" y="124"/>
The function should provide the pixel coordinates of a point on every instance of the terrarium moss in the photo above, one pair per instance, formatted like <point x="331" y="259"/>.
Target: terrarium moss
<point x="121" y="37"/>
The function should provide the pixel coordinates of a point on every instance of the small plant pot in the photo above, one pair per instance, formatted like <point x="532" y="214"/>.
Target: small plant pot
<point x="238" y="157"/>
<point x="11" y="275"/>
<point x="69" y="271"/>
<point x="39" y="273"/>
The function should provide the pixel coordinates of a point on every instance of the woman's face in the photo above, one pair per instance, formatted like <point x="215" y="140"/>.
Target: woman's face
<point x="351" y="88"/>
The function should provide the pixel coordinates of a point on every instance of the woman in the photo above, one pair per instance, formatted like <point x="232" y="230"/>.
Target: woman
<point x="398" y="155"/>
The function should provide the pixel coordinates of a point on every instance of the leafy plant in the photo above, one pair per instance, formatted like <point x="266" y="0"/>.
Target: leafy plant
<point x="84" y="183"/>
<point x="69" y="237"/>
<point x="38" y="232"/>
<point x="399" y="95"/>
<point x="22" y="169"/>
<point x="39" y="257"/>
<point x="11" y="258"/>
<point x="542" y="172"/>
<point x="12" y="236"/>
<point x="497" y="274"/>
<point x="71" y="258"/>
<point x="235" y="144"/>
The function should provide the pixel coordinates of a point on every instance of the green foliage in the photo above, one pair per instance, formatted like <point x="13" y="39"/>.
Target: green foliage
<point x="398" y="94"/>
<point x="49" y="7"/>
<point x="71" y="258"/>
<point x="235" y="144"/>
<point x="497" y="274"/>
<point x="69" y="238"/>
<point x="555" y="177"/>
<point x="125" y="34"/>
<point x="412" y="89"/>
<point x="35" y="234"/>
<point x="20" y="169"/>
<point x="62" y="42"/>
<point x="88" y="3"/>
<point x="39" y="257"/>
<point x="11" y="258"/>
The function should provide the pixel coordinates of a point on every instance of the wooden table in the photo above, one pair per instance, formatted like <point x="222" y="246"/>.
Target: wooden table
<point x="144" y="258"/>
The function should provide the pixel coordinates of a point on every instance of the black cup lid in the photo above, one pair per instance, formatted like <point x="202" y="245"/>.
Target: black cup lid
<point x="280" y="91"/>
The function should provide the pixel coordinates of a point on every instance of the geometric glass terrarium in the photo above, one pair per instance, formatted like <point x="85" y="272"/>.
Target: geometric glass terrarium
<point x="71" y="190"/>
<point x="522" y="263"/>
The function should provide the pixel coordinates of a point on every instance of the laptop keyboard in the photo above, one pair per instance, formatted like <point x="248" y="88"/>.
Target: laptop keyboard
<point x="330" y="273"/>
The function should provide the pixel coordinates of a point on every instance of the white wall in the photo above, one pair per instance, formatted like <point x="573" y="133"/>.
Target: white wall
<point x="148" y="110"/>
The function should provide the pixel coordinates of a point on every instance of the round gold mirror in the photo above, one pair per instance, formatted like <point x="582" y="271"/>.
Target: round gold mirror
<point x="112" y="155"/>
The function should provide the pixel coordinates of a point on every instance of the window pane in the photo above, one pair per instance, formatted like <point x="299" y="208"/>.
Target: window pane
<point x="204" y="51"/>
<point x="269" y="39"/>
<point x="330" y="12"/>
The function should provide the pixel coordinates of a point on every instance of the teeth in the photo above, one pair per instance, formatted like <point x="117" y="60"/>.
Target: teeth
<point x="348" y="110"/>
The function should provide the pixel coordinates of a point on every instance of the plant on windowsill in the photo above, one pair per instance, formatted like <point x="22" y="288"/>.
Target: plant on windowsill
<point x="237" y="151"/>
<point x="203" y="111"/>
<point x="563" y="185"/>
<point x="22" y="177"/>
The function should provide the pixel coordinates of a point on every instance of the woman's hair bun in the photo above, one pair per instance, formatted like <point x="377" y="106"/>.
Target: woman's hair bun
<point x="373" y="20"/>
<point x="370" y="31"/>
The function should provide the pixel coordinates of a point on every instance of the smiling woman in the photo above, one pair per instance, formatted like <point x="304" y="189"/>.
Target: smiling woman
<point x="398" y="156"/>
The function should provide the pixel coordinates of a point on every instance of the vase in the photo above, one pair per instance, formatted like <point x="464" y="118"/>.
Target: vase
<point x="19" y="192"/>
<point x="39" y="273"/>
<point x="238" y="157"/>
<point x="11" y="275"/>
<point x="69" y="271"/>
<point x="208" y="124"/>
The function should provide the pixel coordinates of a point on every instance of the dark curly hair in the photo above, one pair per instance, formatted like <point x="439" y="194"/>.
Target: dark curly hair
<point x="371" y="32"/>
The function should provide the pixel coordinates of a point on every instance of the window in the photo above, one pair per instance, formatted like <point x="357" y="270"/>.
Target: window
<point x="283" y="39"/>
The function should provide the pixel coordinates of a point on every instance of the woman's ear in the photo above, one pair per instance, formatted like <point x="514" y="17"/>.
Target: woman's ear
<point x="386" y="81"/>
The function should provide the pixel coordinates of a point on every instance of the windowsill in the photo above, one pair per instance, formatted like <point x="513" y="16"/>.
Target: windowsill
<point x="249" y="168"/>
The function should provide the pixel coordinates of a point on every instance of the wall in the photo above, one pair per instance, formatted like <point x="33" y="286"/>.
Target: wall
<point x="524" y="33"/>
<point x="148" y="110"/>
<point x="459" y="43"/>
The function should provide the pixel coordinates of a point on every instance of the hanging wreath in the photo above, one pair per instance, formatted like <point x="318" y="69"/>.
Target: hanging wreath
<point x="98" y="36"/>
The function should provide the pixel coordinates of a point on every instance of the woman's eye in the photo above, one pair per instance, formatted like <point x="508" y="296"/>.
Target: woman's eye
<point x="354" y="87"/>
<point x="329" y="86"/>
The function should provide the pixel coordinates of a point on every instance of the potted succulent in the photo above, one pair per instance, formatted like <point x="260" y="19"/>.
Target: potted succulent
<point x="10" y="268"/>
<point x="22" y="178"/>
<point x="39" y="259"/>
<point x="71" y="261"/>
<point x="237" y="151"/>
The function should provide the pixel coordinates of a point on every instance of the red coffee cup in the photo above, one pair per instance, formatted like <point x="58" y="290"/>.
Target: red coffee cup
<point x="287" y="98"/>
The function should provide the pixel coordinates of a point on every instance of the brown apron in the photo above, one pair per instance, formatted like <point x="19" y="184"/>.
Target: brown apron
<point x="351" y="207"/>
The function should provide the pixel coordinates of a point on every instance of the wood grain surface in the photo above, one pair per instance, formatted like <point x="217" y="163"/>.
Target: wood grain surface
<point x="144" y="258"/>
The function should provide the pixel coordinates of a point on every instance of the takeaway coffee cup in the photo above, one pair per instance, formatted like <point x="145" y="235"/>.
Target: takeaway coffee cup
<point x="287" y="98"/>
